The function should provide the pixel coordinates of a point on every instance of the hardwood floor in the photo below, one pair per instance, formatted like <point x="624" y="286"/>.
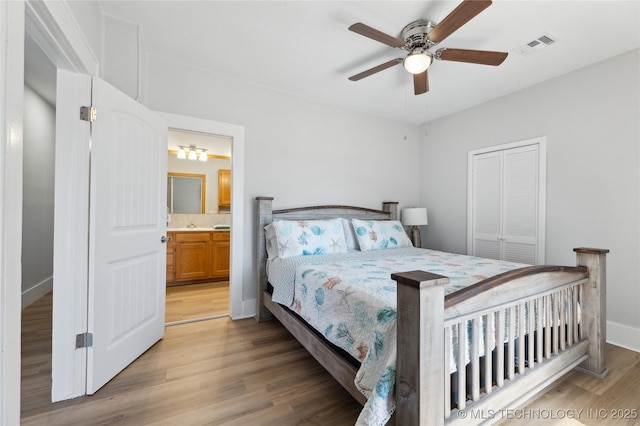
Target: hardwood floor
<point x="223" y="372"/>
<point x="193" y="301"/>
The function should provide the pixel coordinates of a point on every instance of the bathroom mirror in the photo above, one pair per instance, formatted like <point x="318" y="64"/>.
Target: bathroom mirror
<point x="186" y="193"/>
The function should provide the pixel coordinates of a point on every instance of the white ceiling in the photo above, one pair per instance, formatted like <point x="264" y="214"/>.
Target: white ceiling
<point x="304" y="47"/>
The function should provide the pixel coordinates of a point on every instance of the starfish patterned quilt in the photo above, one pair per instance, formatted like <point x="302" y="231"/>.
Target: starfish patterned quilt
<point x="351" y="299"/>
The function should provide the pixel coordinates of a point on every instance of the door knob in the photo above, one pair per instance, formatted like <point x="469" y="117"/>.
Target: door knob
<point x="165" y="239"/>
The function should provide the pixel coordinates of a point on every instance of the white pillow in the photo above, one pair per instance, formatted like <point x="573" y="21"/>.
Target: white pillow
<point x="380" y="234"/>
<point x="349" y="235"/>
<point x="308" y="237"/>
<point x="271" y="241"/>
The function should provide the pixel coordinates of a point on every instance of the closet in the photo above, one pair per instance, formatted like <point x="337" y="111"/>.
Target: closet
<point x="506" y="194"/>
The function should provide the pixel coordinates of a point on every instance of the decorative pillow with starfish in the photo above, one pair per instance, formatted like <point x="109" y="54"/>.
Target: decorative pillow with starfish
<point x="309" y="237"/>
<point x="380" y="234"/>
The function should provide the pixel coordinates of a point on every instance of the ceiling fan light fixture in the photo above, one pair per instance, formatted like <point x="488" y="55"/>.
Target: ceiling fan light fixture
<point x="417" y="61"/>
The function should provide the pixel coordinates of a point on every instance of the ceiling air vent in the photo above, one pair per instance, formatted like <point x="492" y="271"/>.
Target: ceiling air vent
<point x="536" y="45"/>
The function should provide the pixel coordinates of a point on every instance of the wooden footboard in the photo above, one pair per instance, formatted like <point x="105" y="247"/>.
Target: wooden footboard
<point x="548" y="319"/>
<point x="506" y="338"/>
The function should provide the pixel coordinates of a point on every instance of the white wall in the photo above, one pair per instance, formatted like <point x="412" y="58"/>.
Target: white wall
<point x="91" y="22"/>
<point x="299" y="151"/>
<point x="120" y="65"/>
<point x="591" y="120"/>
<point x="38" y="196"/>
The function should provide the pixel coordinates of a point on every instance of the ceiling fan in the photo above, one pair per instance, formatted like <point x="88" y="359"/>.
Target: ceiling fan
<point x="421" y="35"/>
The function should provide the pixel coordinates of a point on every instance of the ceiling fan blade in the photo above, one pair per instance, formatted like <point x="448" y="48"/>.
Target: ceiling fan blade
<point x="374" y="70"/>
<point x="462" y="14"/>
<point x="421" y="83"/>
<point x="483" y="57"/>
<point x="376" y="35"/>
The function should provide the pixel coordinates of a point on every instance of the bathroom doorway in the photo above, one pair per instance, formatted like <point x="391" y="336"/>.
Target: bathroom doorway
<point x="199" y="222"/>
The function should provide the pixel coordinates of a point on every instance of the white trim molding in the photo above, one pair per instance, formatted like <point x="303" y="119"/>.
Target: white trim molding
<point x="54" y="28"/>
<point x="11" y="113"/>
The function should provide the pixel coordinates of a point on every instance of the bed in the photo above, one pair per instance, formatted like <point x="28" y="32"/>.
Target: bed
<point x="470" y="337"/>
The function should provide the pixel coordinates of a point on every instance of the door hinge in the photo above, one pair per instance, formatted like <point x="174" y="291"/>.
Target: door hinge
<point x="88" y="114"/>
<point x="84" y="340"/>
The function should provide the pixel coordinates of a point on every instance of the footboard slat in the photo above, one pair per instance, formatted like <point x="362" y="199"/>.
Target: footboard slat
<point x="570" y="323"/>
<point x="548" y="308"/>
<point x="522" y="333"/>
<point x="511" y="343"/>
<point x="555" y="320"/>
<point x="460" y="366"/>
<point x="540" y="309"/>
<point x="576" y="316"/>
<point x="531" y="331"/>
<point x="500" y="354"/>
<point x="562" y="306"/>
<point x="488" y="347"/>
<point x="475" y="359"/>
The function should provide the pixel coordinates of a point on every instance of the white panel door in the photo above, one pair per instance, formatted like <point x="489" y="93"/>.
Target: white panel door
<point x="127" y="221"/>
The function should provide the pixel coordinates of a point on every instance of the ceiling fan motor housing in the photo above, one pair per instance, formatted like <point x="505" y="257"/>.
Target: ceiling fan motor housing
<point x="415" y="34"/>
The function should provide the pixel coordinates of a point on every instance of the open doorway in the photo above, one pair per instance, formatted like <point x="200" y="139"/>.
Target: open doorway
<point x="37" y="224"/>
<point x="199" y="223"/>
<point x="38" y="173"/>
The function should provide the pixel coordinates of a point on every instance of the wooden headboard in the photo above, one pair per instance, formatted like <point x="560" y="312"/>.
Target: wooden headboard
<point x="265" y="215"/>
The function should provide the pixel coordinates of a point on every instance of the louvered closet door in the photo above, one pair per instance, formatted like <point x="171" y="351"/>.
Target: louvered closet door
<point x="487" y="218"/>
<point x="505" y="199"/>
<point x="520" y="204"/>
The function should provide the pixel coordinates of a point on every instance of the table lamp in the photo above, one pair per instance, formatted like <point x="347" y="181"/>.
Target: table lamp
<point x="414" y="217"/>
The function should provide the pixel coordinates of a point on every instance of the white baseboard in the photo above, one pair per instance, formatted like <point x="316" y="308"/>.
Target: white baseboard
<point x="36" y="292"/>
<point x="623" y="336"/>
<point x="248" y="309"/>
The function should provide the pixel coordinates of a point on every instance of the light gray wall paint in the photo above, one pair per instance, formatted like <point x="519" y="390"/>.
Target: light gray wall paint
<point x="591" y="120"/>
<point x="90" y="19"/>
<point x="298" y="151"/>
<point x="38" y="195"/>
<point x="120" y="61"/>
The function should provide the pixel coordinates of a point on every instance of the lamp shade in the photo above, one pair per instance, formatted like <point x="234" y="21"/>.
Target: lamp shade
<point x="414" y="216"/>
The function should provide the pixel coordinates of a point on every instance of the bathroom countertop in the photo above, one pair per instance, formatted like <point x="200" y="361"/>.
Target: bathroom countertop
<point x="196" y="229"/>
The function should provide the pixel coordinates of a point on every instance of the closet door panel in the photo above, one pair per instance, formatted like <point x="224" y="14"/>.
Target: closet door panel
<point x="487" y="170"/>
<point x="519" y="252"/>
<point x="520" y="198"/>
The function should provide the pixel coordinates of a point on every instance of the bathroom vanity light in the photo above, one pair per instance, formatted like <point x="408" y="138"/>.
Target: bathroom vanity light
<point x="192" y="152"/>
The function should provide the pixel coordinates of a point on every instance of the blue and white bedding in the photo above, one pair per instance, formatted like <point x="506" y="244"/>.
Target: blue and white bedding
<point x="351" y="299"/>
